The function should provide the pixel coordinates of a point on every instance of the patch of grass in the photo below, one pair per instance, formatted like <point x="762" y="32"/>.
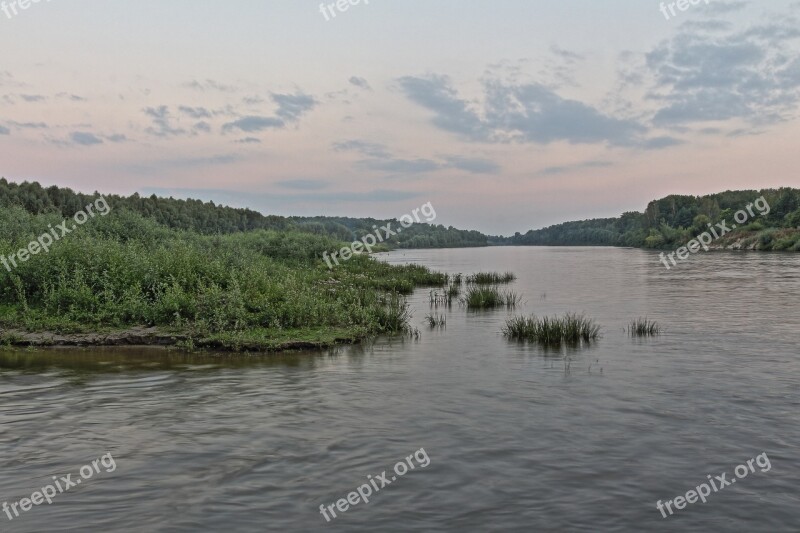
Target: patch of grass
<point x="488" y="297"/>
<point x="491" y="278"/>
<point x="551" y="331"/>
<point x="124" y="270"/>
<point x="642" y="327"/>
<point x="436" y="321"/>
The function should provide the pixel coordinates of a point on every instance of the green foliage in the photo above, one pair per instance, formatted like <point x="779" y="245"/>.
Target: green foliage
<point x="642" y="327"/>
<point x="672" y="221"/>
<point x="486" y="297"/>
<point x="125" y="270"/>
<point x="491" y="278"/>
<point x="569" y="329"/>
<point x="207" y="218"/>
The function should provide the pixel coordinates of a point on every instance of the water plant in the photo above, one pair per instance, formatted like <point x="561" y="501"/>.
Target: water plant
<point x="491" y="278"/>
<point x="642" y="327"/>
<point x="569" y="329"/>
<point x="488" y="297"/>
<point x="436" y="321"/>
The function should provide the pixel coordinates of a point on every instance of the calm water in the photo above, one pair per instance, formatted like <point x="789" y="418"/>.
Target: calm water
<point x="518" y="439"/>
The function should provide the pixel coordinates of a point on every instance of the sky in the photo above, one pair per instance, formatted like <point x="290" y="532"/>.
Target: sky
<point x="506" y="115"/>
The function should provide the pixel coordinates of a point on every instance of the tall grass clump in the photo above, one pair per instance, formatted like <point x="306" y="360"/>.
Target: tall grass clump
<point x="488" y="297"/>
<point x="642" y="327"/>
<point x="436" y="321"/>
<point x="491" y="278"/>
<point x="568" y="329"/>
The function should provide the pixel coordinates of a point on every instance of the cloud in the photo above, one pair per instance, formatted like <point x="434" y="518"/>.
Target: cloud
<point x="566" y="55"/>
<point x="209" y="85"/>
<point x="117" y="138"/>
<point x="248" y="140"/>
<point x="363" y="147"/>
<point x="381" y="159"/>
<point x="162" y="126"/>
<point x="195" y="112"/>
<point x="72" y="97"/>
<point x="360" y="83"/>
<point x="751" y="75"/>
<point x="529" y="113"/>
<point x="29" y="125"/>
<point x="451" y="113"/>
<point x="254" y="123"/>
<point x="84" y="138"/>
<point x="202" y="126"/>
<point x="33" y="97"/>
<point x="4" y="131"/>
<point x="291" y="107"/>
<point x="7" y="80"/>
<point x="253" y="100"/>
<point x="658" y="143"/>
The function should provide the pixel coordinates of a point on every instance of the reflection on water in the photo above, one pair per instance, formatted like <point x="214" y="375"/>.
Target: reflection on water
<point x="521" y="437"/>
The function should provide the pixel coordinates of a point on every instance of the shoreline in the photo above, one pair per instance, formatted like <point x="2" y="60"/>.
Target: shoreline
<point x="153" y="337"/>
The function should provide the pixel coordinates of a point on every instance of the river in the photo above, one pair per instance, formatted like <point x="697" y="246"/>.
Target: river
<point x="517" y="438"/>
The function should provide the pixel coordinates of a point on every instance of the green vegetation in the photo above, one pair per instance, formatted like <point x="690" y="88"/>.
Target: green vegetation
<point x="569" y="329"/>
<point x="260" y="289"/>
<point x="488" y="297"/>
<point x="420" y="235"/>
<point x="491" y="278"/>
<point x="436" y="321"/>
<point x="642" y="327"/>
<point x="207" y="218"/>
<point x="675" y="220"/>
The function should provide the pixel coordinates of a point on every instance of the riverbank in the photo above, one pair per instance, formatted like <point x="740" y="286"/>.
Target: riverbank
<point x="143" y="336"/>
<point x="123" y="279"/>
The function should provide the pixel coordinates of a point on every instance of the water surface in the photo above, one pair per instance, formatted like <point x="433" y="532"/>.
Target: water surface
<point x="519" y="438"/>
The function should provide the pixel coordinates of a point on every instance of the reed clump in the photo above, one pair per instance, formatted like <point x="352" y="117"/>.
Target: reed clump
<point x="435" y="321"/>
<point x="488" y="297"/>
<point x="571" y="328"/>
<point x="491" y="278"/>
<point x="643" y="327"/>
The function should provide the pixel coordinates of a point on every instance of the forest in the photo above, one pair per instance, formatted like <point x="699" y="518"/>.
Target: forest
<point x="676" y="219"/>
<point x="207" y="218"/>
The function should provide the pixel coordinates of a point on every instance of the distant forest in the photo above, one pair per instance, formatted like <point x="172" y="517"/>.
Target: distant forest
<point x="207" y="218"/>
<point x="676" y="219"/>
<point x="666" y="223"/>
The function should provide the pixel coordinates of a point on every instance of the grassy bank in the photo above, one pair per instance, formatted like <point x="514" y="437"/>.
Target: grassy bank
<point x="262" y="289"/>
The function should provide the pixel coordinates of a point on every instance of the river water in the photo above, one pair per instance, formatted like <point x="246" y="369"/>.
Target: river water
<point x="517" y="438"/>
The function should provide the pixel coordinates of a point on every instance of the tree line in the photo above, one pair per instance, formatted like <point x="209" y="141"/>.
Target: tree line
<point x="208" y="218"/>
